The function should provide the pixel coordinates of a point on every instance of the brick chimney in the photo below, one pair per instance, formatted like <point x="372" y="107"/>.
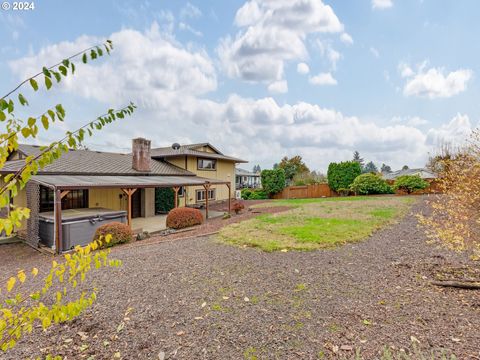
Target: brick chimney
<point x="141" y="154"/>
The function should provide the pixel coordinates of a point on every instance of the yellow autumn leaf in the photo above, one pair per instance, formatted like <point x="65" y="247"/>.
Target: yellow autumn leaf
<point x="34" y="271"/>
<point x="11" y="283"/>
<point x="21" y="276"/>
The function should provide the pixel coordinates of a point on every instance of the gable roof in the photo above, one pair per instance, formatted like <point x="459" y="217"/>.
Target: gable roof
<point x="422" y="172"/>
<point x="243" y="172"/>
<point x="87" y="162"/>
<point x="191" y="150"/>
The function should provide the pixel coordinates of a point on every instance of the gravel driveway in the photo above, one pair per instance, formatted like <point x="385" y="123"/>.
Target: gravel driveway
<point x="198" y="299"/>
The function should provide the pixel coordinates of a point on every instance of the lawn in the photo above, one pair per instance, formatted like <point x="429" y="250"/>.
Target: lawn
<point x="317" y="223"/>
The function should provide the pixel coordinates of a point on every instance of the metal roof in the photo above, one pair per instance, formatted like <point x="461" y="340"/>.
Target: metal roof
<point x="243" y="172"/>
<point x="87" y="162"/>
<point x="191" y="150"/>
<point x="91" y="181"/>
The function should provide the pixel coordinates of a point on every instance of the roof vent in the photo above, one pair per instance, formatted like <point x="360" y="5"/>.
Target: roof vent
<point x="175" y="146"/>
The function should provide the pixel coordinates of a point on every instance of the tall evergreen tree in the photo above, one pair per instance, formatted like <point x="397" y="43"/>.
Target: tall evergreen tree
<point x="405" y="167"/>
<point x="386" y="169"/>
<point x="358" y="159"/>
<point x="370" y="168"/>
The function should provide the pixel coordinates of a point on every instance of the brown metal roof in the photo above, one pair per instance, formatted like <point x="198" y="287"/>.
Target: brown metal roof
<point x="86" y="162"/>
<point x="85" y="181"/>
<point x="190" y="151"/>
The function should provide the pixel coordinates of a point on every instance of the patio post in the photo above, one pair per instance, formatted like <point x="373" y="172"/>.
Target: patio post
<point x="229" y="198"/>
<point x="207" y="188"/>
<point x="57" y="209"/>
<point x="176" y="189"/>
<point x="129" y="193"/>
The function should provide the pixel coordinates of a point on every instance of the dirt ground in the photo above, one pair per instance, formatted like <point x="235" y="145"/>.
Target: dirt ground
<point x="200" y="299"/>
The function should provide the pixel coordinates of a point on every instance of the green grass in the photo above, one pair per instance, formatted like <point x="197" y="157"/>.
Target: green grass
<point x="317" y="223"/>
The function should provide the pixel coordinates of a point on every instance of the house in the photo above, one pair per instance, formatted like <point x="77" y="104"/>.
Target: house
<point x="111" y="183"/>
<point x="422" y="172"/>
<point x="247" y="179"/>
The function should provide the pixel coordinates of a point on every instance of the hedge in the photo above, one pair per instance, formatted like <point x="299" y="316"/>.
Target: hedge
<point x="369" y="183"/>
<point x="410" y="183"/>
<point x="342" y="175"/>
<point x="164" y="200"/>
<point x="254" y="194"/>
<point x="273" y="181"/>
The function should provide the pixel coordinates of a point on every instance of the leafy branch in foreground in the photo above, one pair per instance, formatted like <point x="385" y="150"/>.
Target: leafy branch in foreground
<point x="49" y="304"/>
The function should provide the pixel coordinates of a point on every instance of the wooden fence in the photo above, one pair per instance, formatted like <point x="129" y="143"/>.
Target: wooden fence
<point x="305" y="192"/>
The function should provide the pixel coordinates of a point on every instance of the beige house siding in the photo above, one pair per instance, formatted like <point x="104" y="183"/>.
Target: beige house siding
<point x="114" y="199"/>
<point x="225" y="171"/>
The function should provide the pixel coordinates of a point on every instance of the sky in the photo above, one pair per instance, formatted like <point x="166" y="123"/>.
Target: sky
<point x="259" y="79"/>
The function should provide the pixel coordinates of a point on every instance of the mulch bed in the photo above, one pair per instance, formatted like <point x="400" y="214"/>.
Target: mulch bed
<point x="199" y="299"/>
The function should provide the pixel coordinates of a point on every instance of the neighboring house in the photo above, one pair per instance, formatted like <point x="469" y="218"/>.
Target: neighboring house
<point x="83" y="179"/>
<point x="422" y="172"/>
<point x="247" y="179"/>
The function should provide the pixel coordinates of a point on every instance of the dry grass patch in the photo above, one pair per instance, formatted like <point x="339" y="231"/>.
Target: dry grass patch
<point x="317" y="223"/>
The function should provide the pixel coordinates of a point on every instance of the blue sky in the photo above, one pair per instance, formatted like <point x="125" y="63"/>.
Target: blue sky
<point x="261" y="78"/>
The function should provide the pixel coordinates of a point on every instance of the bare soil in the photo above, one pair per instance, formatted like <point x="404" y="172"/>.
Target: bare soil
<point x="200" y="299"/>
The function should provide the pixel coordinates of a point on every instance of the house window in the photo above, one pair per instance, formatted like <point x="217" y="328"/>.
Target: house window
<point x="206" y="164"/>
<point x="181" y="191"/>
<point x="201" y="195"/>
<point x="75" y="199"/>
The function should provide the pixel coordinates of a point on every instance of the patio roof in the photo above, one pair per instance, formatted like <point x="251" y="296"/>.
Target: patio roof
<point x="71" y="182"/>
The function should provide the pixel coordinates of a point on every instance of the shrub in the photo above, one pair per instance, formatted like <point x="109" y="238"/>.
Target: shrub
<point x="257" y="194"/>
<point x="370" y="184"/>
<point x="344" y="192"/>
<point x="183" y="217"/>
<point x="121" y="233"/>
<point x="410" y="183"/>
<point x="164" y="200"/>
<point x="273" y="181"/>
<point x="342" y="175"/>
<point x="237" y="207"/>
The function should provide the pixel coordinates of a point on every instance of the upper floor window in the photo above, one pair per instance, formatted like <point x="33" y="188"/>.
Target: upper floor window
<point x="206" y="164"/>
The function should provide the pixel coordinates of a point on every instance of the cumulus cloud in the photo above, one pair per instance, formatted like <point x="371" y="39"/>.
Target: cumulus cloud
<point x="272" y="33"/>
<point x="455" y="131"/>
<point x="303" y="68"/>
<point x="382" y="4"/>
<point x="323" y="79"/>
<point x="145" y="65"/>
<point x="434" y="82"/>
<point x="278" y="87"/>
<point x="346" y="38"/>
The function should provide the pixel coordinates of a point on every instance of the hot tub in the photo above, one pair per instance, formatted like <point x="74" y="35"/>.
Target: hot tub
<point x="78" y="225"/>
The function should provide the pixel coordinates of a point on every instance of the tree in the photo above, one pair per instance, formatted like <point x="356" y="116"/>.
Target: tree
<point x="410" y="183"/>
<point x="309" y="178"/>
<point x="273" y="181"/>
<point x="385" y="169"/>
<point x="256" y="169"/>
<point x="368" y="183"/>
<point x="293" y="166"/>
<point x="358" y="159"/>
<point x="341" y="175"/>
<point x="53" y="301"/>
<point x="455" y="218"/>
<point x="370" y="168"/>
<point x="405" y="167"/>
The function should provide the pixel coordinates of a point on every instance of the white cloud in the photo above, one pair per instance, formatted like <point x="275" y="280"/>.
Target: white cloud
<point x="145" y="66"/>
<point x="326" y="50"/>
<point x="186" y="27"/>
<point x="456" y="131"/>
<point x="375" y="52"/>
<point x="382" y="4"/>
<point x="278" y="87"/>
<point x="190" y="11"/>
<point x="434" y="83"/>
<point x="410" y="120"/>
<point x="272" y="33"/>
<point x="346" y="38"/>
<point x="323" y="79"/>
<point x="303" y="68"/>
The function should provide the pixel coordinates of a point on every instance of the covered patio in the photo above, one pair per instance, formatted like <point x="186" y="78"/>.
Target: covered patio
<point x="63" y="184"/>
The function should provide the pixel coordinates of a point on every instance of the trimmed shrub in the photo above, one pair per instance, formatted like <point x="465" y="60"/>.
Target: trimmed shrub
<point x="342" y="175"/>
<point x="237" y="207"/>
<point x="256" y="194"/>
<point x="369" y="183"/>
<point x="183" y="217"/>
<point x="164" y="200"/>
<point x="344" y="192"/>
<point x="121" y="233"/>
<point x="410" y="183"/>
<point x="273" y="181"/>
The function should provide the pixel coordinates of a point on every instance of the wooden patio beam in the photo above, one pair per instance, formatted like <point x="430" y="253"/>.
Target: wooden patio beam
<point x="129" y="193"/>
<point x="58" y="221"/>
<point x="206" y="187"/>
<point x="229" y="198"/>
<point x="176" y="189"/>
<point x="64" y="193"/>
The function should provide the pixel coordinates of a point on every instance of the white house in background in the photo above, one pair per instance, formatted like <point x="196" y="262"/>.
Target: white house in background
<point x="247" y="179"/>
<point x="422" y="172"/>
